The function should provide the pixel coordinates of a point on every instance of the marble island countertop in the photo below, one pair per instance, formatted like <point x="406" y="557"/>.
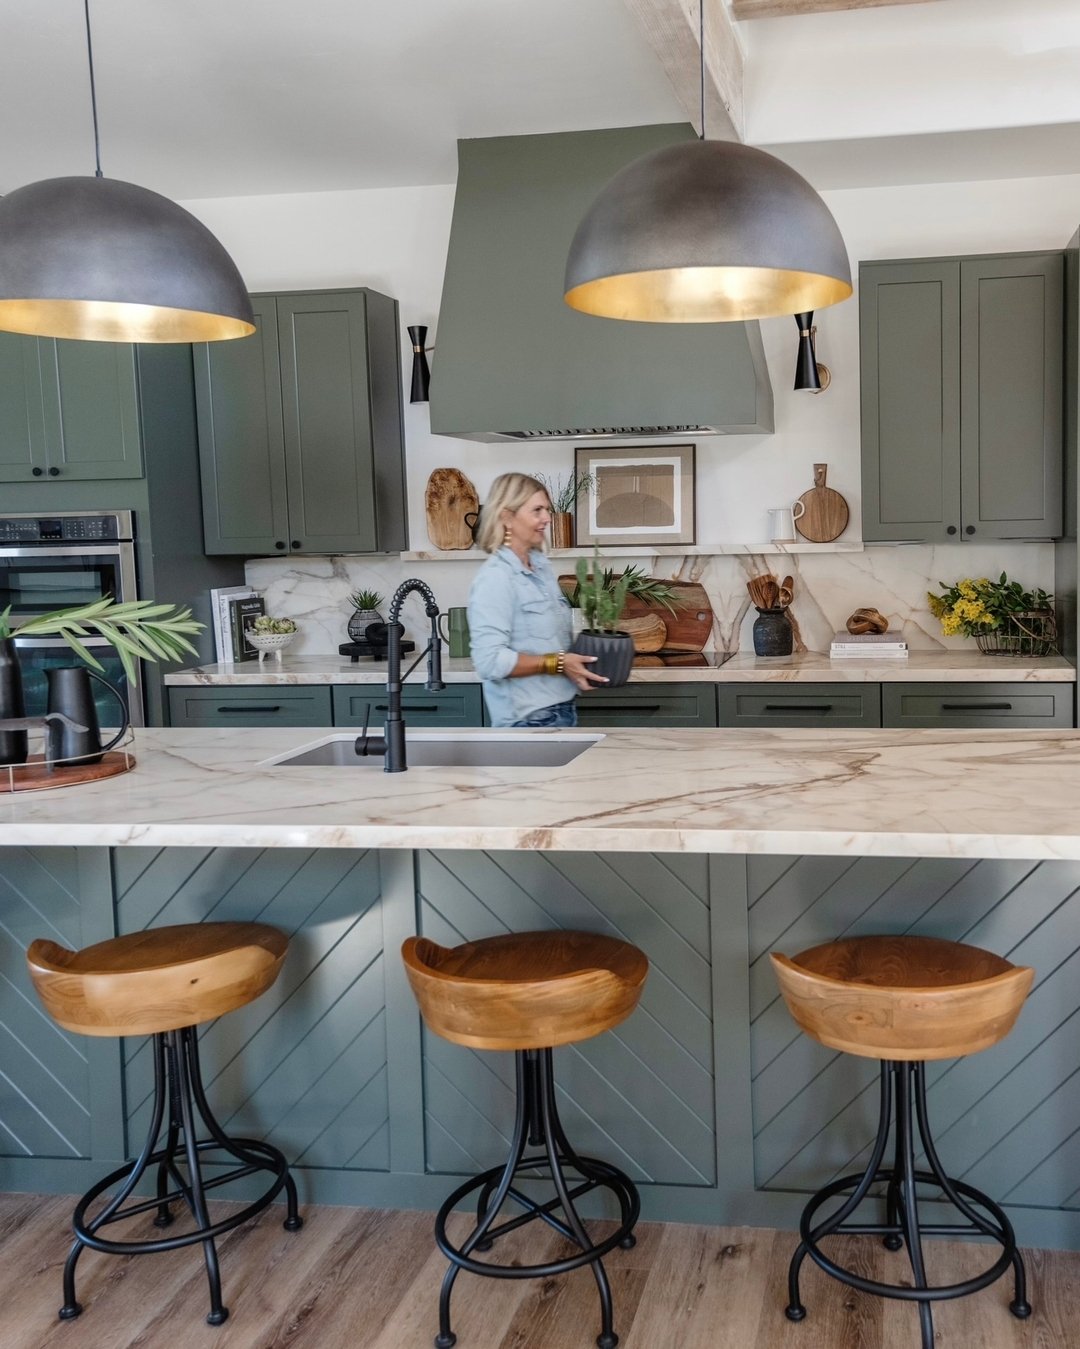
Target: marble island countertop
<point x="1012" y="794"/>
<point x="806" y="667"/>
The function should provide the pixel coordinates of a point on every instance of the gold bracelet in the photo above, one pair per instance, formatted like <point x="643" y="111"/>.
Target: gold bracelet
<point x="560" y="663"/>
<point x="550" y="663"/>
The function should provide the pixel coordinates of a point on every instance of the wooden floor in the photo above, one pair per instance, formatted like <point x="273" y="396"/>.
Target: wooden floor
<point x="369" y="1279"/>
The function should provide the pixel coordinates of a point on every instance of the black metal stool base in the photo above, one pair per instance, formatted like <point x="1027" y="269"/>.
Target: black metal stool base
<point x="537" y="1125"/>
<point x="179" y="1094"/>
<point x="903" y="1225"/>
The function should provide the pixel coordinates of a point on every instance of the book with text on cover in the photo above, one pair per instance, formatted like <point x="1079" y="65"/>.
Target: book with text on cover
<point x="868" y="646"/>
<point x="243" y="612"/>
<point x="219" y="608"/>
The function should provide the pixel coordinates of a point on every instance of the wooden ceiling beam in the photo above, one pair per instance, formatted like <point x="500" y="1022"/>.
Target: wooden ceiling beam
<point x="671" y="27"/>
<point x="783" y="9"/>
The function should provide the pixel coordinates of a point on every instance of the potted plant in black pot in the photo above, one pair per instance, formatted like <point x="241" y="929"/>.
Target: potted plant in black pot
<point x="601" y="601"/>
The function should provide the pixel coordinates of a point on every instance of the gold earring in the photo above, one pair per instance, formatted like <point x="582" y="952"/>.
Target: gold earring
<point x="508" y="536"/>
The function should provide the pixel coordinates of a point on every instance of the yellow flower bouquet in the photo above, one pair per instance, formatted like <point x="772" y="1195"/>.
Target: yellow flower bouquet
<point x="1001" y="615"/>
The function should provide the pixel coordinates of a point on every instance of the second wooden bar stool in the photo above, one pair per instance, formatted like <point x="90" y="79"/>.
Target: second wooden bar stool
<point x="905" y="1000"/>
<point x="164" y="982"/>
<point x="529" y="992"/>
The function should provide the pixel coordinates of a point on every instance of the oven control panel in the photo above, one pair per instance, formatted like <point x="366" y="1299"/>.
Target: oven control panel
<point x="64" y="528"/>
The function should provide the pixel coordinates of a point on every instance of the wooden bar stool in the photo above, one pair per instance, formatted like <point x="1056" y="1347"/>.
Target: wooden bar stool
<point x="905" y="1000"/>
<point x="164" y="983"/>
<point x="529" y="992"/>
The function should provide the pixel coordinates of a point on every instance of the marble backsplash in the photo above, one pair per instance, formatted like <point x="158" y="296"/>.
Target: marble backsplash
<point x="828" y="586"/>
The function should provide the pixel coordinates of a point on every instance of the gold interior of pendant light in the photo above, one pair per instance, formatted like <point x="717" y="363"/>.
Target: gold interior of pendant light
<point x="703" y="232"/>
<point x="103" y="260"/>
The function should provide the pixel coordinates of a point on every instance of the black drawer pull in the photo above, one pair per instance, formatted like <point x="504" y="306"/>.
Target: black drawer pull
<point x="976" y="707"/>
<point x="628" y="707"/>
<point x="799" y="707"/>
<point x="249" y="707"/>
<point x="410" y="707"/>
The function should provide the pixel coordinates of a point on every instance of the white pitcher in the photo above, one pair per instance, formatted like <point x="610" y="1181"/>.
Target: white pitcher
<point x="782" y="520"/>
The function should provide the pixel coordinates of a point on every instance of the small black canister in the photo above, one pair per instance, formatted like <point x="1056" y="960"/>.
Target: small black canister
<point x="773" y="633"/>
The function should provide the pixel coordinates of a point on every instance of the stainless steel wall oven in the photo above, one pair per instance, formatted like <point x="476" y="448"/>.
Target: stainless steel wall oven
<point x="57" y="561"/>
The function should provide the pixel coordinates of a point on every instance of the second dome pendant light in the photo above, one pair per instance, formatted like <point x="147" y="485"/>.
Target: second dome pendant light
<point x="705" y="232"/>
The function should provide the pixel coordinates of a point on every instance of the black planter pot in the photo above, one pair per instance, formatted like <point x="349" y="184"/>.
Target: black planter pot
<point x="614" y="652"/>
<point x="773" y="633"/>
<point x="14" y="745"/>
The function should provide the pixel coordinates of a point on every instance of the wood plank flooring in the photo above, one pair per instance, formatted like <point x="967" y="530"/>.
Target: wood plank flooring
<point x="369" y="1279"/>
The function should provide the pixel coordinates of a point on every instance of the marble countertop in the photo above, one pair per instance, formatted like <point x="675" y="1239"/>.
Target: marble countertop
<point x="807" y="667"/>
<point x="1013" y="794"/>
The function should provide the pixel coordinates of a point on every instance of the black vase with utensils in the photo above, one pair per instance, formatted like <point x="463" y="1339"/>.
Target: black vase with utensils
<point x="773" y="633"/>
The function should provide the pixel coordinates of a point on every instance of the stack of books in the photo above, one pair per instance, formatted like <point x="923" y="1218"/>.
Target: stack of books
<point x="867" y="646"/>
<point x="234" y="608"/>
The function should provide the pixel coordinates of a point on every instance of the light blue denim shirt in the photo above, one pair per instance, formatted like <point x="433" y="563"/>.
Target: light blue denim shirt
<point x="514" y="610"/>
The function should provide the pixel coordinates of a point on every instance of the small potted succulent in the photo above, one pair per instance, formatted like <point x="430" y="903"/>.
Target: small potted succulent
<point x="365" y="605"/>
<point x="270" y="636"/>
<point x="563" y="493"/>
<point x="601" y="604"/>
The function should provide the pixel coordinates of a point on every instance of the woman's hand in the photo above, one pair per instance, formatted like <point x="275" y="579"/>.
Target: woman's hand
<point x="576" y="669"/>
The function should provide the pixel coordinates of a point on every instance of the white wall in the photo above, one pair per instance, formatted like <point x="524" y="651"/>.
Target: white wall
<point x="395" y="240"/>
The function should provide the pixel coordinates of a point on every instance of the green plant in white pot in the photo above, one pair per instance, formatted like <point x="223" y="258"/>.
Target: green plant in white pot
<point x="601" y="602"/>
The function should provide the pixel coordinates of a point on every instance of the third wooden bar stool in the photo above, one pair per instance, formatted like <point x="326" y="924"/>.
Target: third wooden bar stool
<point x="905" y="1000"/>
<point x="529" y="992"/>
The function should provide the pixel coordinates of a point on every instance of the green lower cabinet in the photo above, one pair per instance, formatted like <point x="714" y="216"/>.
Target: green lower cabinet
<point x="799" y="705"/>
<point x="455" y="705"/>
<point x="253" y="705"/>
<point x="977" y="706"/>
<point x="649" y="705"/>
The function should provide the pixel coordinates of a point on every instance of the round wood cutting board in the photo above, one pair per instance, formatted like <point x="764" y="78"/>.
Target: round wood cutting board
<point x="449" y="497"/>
<point x="825" y="515"/>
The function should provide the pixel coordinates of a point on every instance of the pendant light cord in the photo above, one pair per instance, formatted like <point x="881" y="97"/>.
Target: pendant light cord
<point x="701" y="60"/>
<point x="93" y="91"/>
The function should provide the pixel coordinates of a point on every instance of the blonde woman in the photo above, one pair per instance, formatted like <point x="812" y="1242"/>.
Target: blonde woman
<point x="519" y="619"/>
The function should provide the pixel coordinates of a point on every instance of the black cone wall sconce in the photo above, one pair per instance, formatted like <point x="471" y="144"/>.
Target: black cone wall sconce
<point x="421" y="375"/>
<point x="808" y="373"/>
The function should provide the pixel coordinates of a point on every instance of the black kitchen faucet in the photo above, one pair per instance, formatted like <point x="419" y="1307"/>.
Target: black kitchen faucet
<point x="391" y="744"/>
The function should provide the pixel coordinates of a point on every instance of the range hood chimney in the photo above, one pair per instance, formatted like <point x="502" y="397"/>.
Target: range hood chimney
<point x="514" y="362"/>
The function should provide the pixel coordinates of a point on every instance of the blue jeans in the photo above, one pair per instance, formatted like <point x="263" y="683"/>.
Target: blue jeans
<point x="559" y="714"/>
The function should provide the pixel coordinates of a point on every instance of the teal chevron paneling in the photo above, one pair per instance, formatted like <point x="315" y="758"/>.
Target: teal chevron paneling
<point x="1007" y="1119"/>
<point x="656" y="1066"/>
<point x="304" y="1065"/>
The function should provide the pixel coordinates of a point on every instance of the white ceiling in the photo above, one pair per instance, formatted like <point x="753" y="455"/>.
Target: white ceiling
<point x="215" y="98"/>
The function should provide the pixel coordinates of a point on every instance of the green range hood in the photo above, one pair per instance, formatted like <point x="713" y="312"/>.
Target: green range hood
<point x="513" y="362"/>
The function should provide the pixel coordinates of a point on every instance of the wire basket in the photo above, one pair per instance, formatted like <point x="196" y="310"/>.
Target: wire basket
<point x="1031" y="633"/>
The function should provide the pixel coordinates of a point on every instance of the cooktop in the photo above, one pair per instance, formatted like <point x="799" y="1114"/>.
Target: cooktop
<point x="699" y="660"/>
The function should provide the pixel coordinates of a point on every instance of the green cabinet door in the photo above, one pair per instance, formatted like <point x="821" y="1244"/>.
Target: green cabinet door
<point x="241" y="440"/>
<point x="454" y="705"/>
<point x="22" y="430"/>
<point x="91" y="409"/>
<point x="300" y="429"/>
<point x="649" y="704"/>
<point x="962" y="367"/>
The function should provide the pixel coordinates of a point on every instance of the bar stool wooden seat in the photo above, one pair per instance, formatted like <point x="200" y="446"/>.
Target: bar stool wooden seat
<point x="164" y="982"/>
<point x="904" y="1000"/>
<point x="528" y="992"/>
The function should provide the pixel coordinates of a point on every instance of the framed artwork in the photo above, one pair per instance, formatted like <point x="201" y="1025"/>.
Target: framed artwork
<point x="639" y="495"/>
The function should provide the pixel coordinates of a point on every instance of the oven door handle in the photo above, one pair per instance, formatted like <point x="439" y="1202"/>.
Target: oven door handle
<point x="55" y="643"/>
<point x="68" y="550"/>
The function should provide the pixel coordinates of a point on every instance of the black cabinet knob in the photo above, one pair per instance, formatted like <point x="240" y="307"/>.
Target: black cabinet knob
<point x="951" y="529"/>
<point x="969" y="529"/>
<point x="280" y="543"/>
<point x="37" y="472"/>
<point x="297" y="544"/>
<point x="54" y="473"/>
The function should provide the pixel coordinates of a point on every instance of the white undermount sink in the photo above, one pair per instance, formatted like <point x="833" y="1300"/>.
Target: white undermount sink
<point x="453" y="749"/>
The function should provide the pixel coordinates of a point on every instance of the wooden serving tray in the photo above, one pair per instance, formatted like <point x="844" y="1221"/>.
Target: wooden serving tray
<point x="33" y="776"/>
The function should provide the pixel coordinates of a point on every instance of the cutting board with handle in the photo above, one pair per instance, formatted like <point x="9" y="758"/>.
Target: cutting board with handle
<point x="449" y="497"/>
<point x="825" y="513"/>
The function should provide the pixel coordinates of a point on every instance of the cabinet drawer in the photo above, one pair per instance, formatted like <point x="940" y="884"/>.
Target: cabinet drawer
<point x="455" y="705"/>
<point x="802" y="705"/>
<point x="978" y="706"/>
<point x="649" y="705"/>
<point x="268" y="705"/>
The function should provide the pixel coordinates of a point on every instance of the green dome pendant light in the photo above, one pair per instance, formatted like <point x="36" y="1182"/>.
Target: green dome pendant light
<point x="107" y="261"/>
<point x="705" y="232"/>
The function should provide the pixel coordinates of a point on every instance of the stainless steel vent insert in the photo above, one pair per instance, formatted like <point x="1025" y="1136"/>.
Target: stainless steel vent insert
<point x="596" y="432"/>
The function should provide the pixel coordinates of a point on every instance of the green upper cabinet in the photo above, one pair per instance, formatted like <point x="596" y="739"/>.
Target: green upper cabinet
<point x="300" y="435"/>
<point x="68" y="410"/>
<point x="962" y="362"/>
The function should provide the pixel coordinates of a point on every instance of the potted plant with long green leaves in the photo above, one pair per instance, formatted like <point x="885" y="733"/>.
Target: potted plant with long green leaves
<point x="137" y="629"/>
<point x="563" y="494"/>
<point x="601" y="605"/>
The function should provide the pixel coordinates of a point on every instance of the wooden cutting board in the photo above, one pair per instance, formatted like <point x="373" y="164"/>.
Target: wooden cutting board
<point x="648" y="631"/>
<point x="826" y="512"/>
<point x="449" y="497"/>
<point x="687" y="629"/>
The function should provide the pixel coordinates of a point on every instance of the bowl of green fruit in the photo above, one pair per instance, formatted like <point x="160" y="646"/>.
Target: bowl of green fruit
<point x="270" y="636"/>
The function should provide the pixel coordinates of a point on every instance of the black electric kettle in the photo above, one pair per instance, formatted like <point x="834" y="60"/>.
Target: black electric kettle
<point x="71" y="693"/>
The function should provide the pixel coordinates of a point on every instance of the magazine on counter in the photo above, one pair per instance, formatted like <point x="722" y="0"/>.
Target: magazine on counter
<point x="219" y="607"/>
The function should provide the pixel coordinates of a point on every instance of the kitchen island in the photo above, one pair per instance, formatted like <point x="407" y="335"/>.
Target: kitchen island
<point x="705" y="848"/>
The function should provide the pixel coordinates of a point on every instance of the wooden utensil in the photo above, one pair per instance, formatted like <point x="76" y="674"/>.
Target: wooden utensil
<point x="787" y="592"/>
<point x="826" y="512"/>
<point x="449" y="497"/>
